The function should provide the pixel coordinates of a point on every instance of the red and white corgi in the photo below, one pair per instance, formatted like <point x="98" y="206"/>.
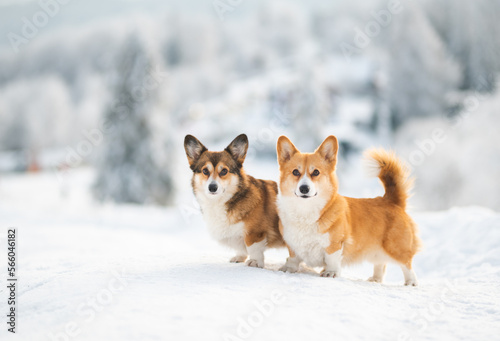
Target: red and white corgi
<point x="325" y="229"/>
<point x="239" y="210"/>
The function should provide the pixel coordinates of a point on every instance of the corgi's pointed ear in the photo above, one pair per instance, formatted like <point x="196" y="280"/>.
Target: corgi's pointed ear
<point x="285" y="149"/>
<point x="328" y="149"/>
<point x="238" y="148"/>
<point x="194" y="148"/>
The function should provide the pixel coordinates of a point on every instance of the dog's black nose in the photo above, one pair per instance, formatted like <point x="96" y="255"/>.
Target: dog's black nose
<point x="304" y="189"/>
<point x="212" y="188"/>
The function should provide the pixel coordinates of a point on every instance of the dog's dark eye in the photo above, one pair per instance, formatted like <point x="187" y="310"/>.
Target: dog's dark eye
<point x="223" y="172"/>
<point x="315" y="173"/>
<point x="296" y="172"/>
<point x="205" y="171"/>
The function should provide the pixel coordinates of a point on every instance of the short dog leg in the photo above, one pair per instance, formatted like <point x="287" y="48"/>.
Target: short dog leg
<point x="378" y="273"/>
<point x="256" y="253"/>
<point x="241" y="255"/>
<point x="292" y="263"/>
<point x="410" y="277"/>
<point x="333" y="263"/>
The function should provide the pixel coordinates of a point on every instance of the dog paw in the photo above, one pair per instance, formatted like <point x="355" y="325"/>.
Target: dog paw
<point x="375" y="280"/>
<point x="411" y="283"/>
<point x="331" y="274"/>
<point x="238" y="259"/>
<point x="288" y="268"/>
<point x="255" y="263"/>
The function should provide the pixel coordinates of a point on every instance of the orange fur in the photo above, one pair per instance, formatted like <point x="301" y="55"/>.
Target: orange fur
<point x="258" y="211"/>
<point x="377" y="229"/>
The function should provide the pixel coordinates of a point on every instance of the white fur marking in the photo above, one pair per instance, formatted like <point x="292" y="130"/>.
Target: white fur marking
<point x="211" y="181"/>
<point x="292" y="264"/>
<point x="306" y="181"/>
<point x="256" y="253"/>
<point x="300" y="228"/>
<point x="377" y="256"/>
<point x="410" y="276"/>
<point x="219" y="227"/>
<point x="334" y="262"/>
<point x="378" y="273"/>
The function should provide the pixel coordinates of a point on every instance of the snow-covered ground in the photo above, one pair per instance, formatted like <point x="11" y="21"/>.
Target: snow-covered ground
<point x="103" y="272"/>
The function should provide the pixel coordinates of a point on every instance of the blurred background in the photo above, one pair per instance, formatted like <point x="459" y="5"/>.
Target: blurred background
<point x="106" y="91"/>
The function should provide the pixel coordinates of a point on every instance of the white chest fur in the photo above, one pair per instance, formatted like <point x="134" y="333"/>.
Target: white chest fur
<point x="219" y="227"/>
<point x="300" y="228"/>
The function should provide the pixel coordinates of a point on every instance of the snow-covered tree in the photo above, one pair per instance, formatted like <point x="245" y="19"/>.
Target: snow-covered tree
<point x="24" y="123"/>
<point x="129" y="170"/>
<point x="471" y="32"/>
<point x="420" y="73"/>
<point x="308" y="109"/>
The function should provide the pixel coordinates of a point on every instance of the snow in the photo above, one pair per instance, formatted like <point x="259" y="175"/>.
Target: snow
<point x="118" y="272"/>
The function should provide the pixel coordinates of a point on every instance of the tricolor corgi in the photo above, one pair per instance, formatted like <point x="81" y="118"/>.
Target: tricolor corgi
<point x="325" y="229"/>
<point x="239" y="210"/>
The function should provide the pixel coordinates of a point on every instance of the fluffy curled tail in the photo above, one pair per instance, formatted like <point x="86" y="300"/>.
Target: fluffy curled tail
<point x="393" y="173"/>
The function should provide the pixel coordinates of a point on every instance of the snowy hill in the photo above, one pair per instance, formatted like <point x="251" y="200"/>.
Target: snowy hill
<point x="89" y="272"/>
